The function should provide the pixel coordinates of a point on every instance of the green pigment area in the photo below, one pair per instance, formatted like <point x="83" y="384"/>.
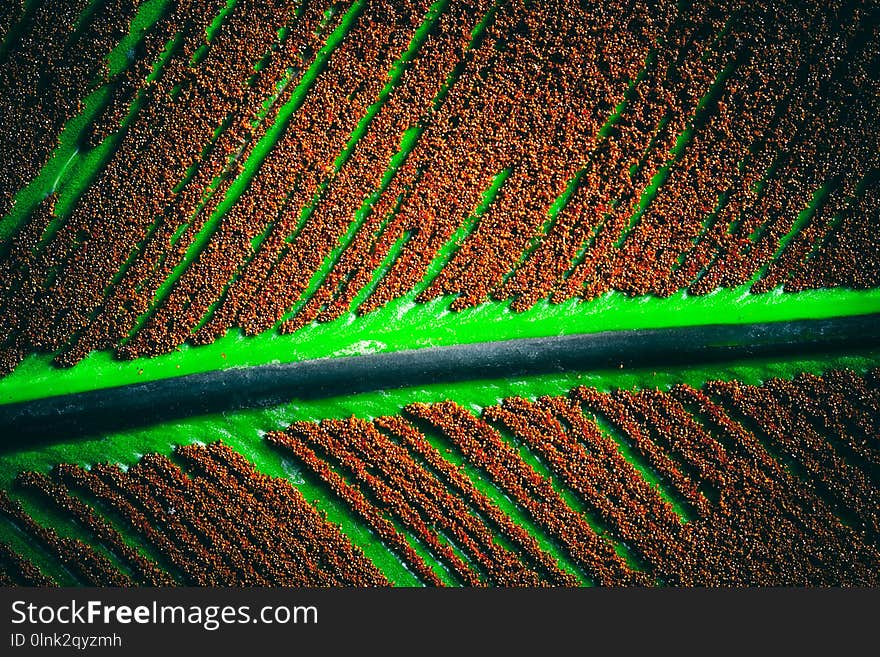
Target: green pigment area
<point x="244" y="431"/>
<point x="404" y="324"/>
